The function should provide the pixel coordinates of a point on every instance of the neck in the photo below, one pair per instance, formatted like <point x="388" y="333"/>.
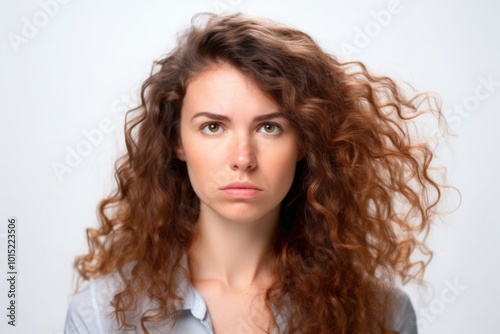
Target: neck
<point x="236" y="254"/>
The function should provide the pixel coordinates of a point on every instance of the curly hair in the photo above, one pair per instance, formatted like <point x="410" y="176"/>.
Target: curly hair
<point x="359" y="209"/>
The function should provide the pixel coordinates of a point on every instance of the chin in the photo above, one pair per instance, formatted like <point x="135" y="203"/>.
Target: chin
<point x="247" y="213"/>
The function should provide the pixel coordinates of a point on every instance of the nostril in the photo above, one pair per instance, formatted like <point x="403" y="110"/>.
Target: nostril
<point x="244" y="159"/>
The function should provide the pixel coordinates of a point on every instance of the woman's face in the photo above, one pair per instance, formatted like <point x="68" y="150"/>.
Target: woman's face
<point x="239" y="150"/>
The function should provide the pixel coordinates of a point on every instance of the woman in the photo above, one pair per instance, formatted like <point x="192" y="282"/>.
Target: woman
<point x="266" y="188"/>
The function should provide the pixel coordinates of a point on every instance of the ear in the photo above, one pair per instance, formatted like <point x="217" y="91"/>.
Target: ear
<point x="179" y="151"/>
<point x="300" y="155"/>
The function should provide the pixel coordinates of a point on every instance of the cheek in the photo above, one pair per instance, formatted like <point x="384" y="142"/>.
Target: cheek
<point x="205" y="171"/>
<point x="198" y="164"/>
<point x="280" y="166"/>
<point x="197" y="177"/>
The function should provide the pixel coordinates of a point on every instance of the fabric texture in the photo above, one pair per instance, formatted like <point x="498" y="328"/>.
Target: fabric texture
<point x="90" y="312"/>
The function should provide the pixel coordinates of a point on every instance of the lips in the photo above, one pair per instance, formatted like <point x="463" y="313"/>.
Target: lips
<point x="241" y="185"/>
<point x="241" y="190"/>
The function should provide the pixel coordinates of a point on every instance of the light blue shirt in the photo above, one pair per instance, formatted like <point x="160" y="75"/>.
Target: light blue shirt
<point x="90" y="312"/>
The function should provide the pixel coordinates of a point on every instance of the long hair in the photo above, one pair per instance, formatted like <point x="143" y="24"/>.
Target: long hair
<point x="359" y="208"/>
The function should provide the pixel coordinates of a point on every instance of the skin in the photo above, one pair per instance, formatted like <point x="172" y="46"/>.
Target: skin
<point x="222" y="142"/>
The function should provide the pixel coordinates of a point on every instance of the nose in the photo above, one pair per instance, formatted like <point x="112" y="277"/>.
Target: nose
<point x="243" y="157"/>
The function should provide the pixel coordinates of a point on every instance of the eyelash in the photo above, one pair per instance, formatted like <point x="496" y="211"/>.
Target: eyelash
<point x="206" y="125"/>
<point x="280" y="129"/>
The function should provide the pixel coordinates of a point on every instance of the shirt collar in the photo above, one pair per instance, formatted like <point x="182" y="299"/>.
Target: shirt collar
<point x="193" y="301"/>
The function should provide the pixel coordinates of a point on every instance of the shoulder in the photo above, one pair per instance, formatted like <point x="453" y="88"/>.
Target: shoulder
<point x="82" y="315"/>
<point x="90" y="309"/>
<point x="403" y="318"/>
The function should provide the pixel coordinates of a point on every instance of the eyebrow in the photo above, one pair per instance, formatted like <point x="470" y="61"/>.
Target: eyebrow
<point x="218" y="117"/>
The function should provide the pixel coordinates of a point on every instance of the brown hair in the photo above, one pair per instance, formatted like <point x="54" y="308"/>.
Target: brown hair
<point x="360" y="205"/>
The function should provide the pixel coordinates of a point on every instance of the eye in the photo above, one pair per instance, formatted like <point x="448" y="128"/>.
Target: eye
<point x="271" y="128"/>
<point x="212" y="128"/>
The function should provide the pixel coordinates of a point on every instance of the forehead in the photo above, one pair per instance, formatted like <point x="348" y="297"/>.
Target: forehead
<point x="224" y="87"/>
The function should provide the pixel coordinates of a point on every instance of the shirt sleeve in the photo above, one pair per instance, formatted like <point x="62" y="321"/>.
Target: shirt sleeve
<point x="404" y="319"/>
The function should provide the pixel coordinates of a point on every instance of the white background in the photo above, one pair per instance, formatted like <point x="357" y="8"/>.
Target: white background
<point x="84" y="63"/>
